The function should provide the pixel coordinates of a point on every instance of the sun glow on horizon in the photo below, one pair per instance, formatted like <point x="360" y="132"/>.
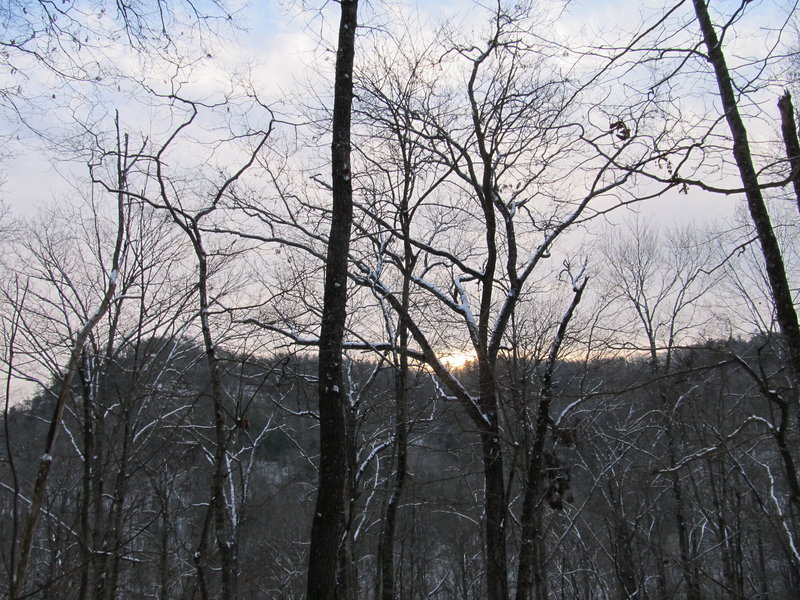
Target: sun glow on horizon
<point x="458" y="360"/>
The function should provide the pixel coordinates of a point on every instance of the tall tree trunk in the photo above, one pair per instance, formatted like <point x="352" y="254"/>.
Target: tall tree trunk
<point x="401" y="375"/>
<point x="46" y="459"/>
<point x="776" y="272"/>
<point x="386" y="548"/>
<point x="527" y="574"/>
<point x="494" y="505"/>
<point x="348" y="576"/>
<point x="330" y="515"/>
<point x="687" y="553"/>
<point x="19" y="576"/>
<point x="163" y="550"/>
<point x="661" y="373"/>
<point x="622" y="551"/>
<point x="114" y="540"/>
<point x="88" y="499"/>
<point x="221" y="514"/>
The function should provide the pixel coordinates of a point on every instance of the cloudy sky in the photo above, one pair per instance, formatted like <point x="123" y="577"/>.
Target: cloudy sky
<point x="282" y="49"/>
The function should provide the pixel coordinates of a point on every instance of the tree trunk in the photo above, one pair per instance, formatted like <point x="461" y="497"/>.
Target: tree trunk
<point x="494" y="508"/>
<point x="790" y="141"/>
<point x="776" y="272"/>
<point x="386" y="547"/>
<point x="88" y="499"/>
<point x="528" y="575"/>
<point x="18" y="578"/>
<point x="114" y="541"/>
<point x="386" y="577"/>
<point x="330" y="515"/>
<point x="687" y="553"/>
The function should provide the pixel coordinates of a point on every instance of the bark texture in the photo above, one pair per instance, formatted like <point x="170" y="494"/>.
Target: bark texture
<point x="790" y="141"/>
<point x="331" y="513"/>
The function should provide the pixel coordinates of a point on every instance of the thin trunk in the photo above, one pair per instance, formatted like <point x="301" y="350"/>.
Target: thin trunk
<point x="540" y="556"/>
<point x="113" y="540"/>
<point x="780" y="435"/>
<point x="347" y="576"/>
<point x="624" y="561"/>
<point x="386" y="552"/>
<point x="46" y="460"/>
<point x="494" y="476"/>
<point x="527" y="576"/>
<point x="661" y="582"/>
<point x="387" y="539"/>
<point x="219" y="507"/>
<point x="107" y="526"/>
<point x="762" y="567"/>
<point x="99" y="525"/>
<point x="686" y="551"/>
<point x="330" y="515"/>
<point x="494" y="505"/>
<point x="719" y="492"/>
<point x="200" y="555"/>
<point x="776" y="272"/>
<point x="11" y="351"/>
<point x="163" y="563"/>
<point x="65" y="391"/>
<point x="86" y="533"/>
<point x="687" y="555"/>
<point x="790" y="141"/>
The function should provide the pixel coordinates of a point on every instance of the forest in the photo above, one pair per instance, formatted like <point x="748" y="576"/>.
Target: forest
<point x="347" y="300"/>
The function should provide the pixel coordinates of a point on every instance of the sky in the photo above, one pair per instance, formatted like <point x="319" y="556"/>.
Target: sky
<point x="280" y="43"/>
<point x="284" y="50"/>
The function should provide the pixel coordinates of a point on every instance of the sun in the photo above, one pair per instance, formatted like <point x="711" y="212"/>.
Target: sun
<point x="458" y="360"/>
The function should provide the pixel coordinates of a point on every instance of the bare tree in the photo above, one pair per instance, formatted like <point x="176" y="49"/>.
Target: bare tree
<point x="773" y="259"/>
<point x="488" y="218"/>
<point x="661" y="279"/>
<point x="21" y="549"/>
<point x="189" y="211"/>
<point x="332" y="509"/>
